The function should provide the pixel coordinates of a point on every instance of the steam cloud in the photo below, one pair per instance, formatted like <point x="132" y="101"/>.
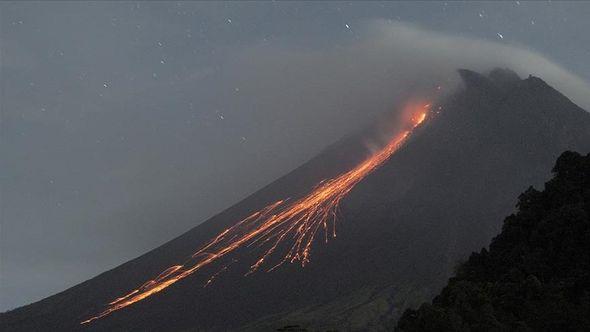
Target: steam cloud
<point x="386" y="60"/>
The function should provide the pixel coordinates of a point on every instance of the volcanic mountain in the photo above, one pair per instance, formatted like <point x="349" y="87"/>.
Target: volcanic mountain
<point x="404" y="216"/>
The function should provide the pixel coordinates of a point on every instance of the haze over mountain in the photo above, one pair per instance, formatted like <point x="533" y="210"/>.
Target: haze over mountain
<point x="400" y="233"/>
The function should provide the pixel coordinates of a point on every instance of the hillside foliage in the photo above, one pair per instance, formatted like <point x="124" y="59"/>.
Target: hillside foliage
<point x="535" y="276"/>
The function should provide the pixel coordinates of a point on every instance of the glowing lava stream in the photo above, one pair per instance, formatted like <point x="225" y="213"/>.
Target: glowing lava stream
<point x="295" y="221"/>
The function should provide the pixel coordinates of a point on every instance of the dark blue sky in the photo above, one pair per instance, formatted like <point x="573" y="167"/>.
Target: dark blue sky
<point x="125" y="124"/>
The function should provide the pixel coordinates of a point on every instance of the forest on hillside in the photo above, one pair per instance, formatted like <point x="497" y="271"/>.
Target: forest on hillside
<point x="535" y="276"/>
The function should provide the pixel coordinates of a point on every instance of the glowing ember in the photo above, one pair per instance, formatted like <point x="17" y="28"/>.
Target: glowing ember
<point x="293" y="223"/>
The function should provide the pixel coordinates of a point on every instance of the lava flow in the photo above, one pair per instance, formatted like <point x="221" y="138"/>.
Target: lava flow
<point x="293" y="223"/>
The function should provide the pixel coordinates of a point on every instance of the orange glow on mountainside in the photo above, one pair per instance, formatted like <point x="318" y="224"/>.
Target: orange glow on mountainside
<point x="292" y="223"/>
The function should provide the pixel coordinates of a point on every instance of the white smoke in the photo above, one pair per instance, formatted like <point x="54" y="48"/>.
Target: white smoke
<point x="384" y="61"/>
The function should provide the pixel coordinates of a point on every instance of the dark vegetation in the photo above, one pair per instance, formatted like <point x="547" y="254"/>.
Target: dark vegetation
<point x="535" y="275"/>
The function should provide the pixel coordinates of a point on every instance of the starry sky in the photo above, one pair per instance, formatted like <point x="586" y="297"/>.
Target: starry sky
<point x="124" y="124"/>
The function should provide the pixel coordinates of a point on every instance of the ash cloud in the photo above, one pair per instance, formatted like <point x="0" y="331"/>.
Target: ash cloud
<point x="386" y="60"/>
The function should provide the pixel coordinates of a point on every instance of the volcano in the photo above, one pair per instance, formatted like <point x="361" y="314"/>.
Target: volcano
<point x="425" y="200"/>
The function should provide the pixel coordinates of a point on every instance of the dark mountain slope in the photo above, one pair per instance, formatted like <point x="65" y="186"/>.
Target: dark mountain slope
<point x="536" y="274"/>
<point x="402" y="229"/>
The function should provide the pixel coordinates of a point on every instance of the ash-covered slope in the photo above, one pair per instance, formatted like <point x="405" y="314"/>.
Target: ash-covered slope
<point x="401" y="230"/>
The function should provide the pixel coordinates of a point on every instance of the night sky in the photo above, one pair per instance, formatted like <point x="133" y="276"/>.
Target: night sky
<point x="125" y="124"/>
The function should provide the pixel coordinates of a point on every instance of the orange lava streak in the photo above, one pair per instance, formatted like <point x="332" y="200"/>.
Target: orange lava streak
<point x="296" y="222"/>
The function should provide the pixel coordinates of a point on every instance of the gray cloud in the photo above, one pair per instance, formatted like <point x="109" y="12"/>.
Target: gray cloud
<point x="387" y="58"/>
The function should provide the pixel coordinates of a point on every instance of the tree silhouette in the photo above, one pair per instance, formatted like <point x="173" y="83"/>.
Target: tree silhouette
<point x="535" y="275"/>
